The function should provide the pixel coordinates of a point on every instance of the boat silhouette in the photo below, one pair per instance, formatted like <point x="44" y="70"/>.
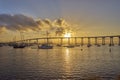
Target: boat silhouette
<point x="89" y="45"/>
<point x="45" y="46"/>
<point x="19" y="45"/>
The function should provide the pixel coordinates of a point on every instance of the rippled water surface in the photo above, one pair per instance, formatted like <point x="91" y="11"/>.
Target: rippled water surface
<point x="60" y="63"/>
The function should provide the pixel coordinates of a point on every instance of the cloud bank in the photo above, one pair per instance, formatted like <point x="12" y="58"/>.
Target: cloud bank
<point x="17" y="22"/>
<point x="20" y="22"/>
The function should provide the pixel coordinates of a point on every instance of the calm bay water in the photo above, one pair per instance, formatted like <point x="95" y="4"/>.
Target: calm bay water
<point x="60" y="63"/>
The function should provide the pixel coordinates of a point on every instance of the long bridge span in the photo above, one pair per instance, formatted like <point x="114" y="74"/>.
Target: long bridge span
<point x="75" y="40"/>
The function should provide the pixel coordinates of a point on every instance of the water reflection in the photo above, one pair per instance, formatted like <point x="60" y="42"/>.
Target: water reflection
<point x="59" y="63"/>
<point x="67" y="57"/>
<point x="67" y="63"/>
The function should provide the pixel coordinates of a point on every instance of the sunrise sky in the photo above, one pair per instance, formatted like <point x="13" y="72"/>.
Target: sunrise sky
<point x="89" y="17"/>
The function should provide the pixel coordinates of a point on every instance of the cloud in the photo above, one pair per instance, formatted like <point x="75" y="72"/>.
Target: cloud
<point x="20" y="22"/>
<point x="60" y="23"/>
<point x="58" y="26"/>
<point x="3" y="30"/>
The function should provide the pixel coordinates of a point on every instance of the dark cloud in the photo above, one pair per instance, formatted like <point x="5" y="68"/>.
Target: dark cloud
<point x="17" y="22"/>
<point x="20" y="22"/>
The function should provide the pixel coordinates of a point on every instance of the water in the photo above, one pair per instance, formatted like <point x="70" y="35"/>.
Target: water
<point x="60" y="63"/>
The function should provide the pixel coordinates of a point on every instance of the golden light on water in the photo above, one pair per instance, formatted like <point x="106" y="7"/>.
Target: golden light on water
<point x="67" y="52"/>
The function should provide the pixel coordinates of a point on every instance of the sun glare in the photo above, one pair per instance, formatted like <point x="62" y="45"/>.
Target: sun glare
<point x="67" y="35"/>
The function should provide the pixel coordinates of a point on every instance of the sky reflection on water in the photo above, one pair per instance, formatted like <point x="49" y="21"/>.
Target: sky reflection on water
<point x="59" y="63"/>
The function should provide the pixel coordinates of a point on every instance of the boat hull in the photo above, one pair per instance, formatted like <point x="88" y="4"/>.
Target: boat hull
<point x="45" y="47"/>
<point x="18" y="46"/>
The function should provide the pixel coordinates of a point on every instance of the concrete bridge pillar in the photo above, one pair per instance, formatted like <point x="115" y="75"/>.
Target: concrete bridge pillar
<point x="103" y="40"/>
<point x="119" y="41"/>
<point x="89" y="42"/>
<point x="37" y="41"/>
<point x="28" y="42"/>
<point x="61" y="42"/>
<point x="47" y="40"/>
<point x="75" y="41"/>
<point x="44" y="41"/>
<point x="96" y="41"/>
<point x="111" y="42"/>
<point x="68" y="41"/>
<point x="82" y="42"/>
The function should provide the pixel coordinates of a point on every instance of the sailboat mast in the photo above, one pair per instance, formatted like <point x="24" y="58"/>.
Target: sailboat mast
<point x="47" y="36"/>
<point x="21" y="36"/>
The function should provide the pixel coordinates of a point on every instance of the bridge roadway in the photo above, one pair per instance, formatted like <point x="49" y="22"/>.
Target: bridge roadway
<point x="111" y="39"/>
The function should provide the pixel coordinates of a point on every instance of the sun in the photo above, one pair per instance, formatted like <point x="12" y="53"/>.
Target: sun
<point x="67" y="35"/>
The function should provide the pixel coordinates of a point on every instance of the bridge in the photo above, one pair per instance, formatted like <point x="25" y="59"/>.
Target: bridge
<point x="75" y="40"/>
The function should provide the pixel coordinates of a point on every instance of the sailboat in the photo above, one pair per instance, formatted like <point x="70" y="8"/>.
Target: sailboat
<point x="69" y="46"/>
<point x="89" y="45"/>
<point x="46" y="45"/>
<point x="1" y="45"/>
<point x="19" y="45"/>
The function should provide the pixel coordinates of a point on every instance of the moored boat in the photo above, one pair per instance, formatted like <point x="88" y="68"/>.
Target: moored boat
<point x="89" y="45"/>
<point x="19" y="45"/>
<point x="1" y="45"/>
<point x="98" y="45"/>
<point x="45" y="46"/>
<point x="70" y="46"/>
